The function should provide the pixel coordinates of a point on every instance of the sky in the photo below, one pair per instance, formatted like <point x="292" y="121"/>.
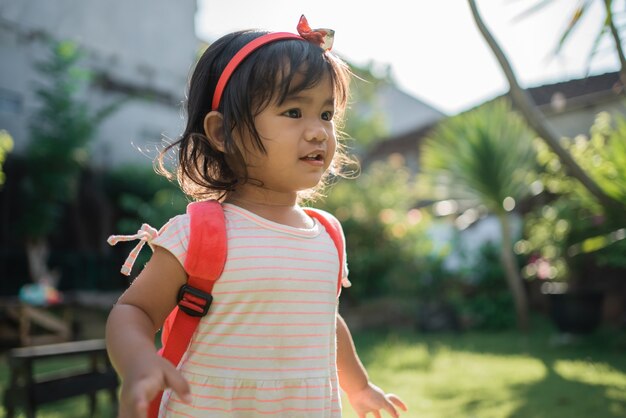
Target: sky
<point x="432" y="47"/>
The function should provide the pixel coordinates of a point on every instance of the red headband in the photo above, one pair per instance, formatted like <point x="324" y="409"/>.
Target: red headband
<point x="321" y="37"/>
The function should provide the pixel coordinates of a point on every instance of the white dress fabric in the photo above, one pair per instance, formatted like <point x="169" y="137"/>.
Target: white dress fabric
<point x="267" y="347"/>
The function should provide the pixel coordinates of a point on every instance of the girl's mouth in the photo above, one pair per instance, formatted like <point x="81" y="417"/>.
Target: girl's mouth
<point x="314" y="156"/>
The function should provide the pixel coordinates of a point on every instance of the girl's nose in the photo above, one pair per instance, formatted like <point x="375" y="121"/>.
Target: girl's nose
<point x="316" y="132"/>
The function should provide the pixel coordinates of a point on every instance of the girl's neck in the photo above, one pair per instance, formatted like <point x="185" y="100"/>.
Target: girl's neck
<point x="275" y="206"/>
<point x="260" y="197"/>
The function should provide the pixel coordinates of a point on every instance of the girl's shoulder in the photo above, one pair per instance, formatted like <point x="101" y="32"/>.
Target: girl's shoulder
<point x="174" y="236"/>
<point x="177" y="225"/>
<point x="322" y="212"/>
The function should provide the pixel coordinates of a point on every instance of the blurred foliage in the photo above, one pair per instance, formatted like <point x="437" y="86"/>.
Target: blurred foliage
<point x="572" y="227"/>
<point x="60" y="133"/>
<point x="365" y="119"/>
<point x="142" y="196"/>
<point x="387" y="245"/>
<point x="483" y="303"/>
<point x="6" y="146"/>
<point x="480" y="157"/>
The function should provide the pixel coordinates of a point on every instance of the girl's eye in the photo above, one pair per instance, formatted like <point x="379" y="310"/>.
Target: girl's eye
<point x="327" y="116"/>
<point x="293" y="113"/>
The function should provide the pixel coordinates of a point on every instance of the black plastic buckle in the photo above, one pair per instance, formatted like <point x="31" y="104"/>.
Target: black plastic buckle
<point x="194" y="302"/>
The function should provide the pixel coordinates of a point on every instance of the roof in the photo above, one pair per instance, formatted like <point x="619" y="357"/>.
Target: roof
<point x="549" y="98"/>
<point x="577" y="92"/>
<point x="406" y="144"/>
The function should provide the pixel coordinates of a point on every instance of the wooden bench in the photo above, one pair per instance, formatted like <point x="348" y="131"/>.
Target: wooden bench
<point x="28" y="390"/>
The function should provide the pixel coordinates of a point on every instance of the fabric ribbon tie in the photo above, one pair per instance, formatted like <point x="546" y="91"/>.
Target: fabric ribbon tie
<point x="322" y="37"/>
<point x="145" y="234"/>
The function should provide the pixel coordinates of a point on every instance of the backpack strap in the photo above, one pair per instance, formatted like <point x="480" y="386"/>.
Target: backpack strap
<point x="207" y="234"/>
<point x="333" y="228"/>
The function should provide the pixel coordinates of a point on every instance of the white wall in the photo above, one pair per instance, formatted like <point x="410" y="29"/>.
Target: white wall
<point x="148" y="44"/>
<point x="578" y="121"/>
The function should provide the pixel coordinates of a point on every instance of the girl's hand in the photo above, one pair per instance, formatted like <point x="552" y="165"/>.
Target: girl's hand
<point x="144" y="382"/>
<point x="373" y="399"/>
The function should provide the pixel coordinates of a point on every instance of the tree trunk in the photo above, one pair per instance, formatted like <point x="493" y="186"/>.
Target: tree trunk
<point x="536" y="119"/>
<point x="617" y="40"/>
<point x="513" y="277"/>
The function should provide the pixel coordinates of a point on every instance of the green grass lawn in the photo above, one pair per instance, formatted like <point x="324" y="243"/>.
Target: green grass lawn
<point x="474" y="375"/>
<point x="500" y="375"/>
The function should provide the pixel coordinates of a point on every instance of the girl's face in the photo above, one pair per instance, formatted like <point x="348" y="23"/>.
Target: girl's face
<point x="299" y="139"/>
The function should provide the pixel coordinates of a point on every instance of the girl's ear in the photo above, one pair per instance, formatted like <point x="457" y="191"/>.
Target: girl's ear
<point x="214" y="129"/>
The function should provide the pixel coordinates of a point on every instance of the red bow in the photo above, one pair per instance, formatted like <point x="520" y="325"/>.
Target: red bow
<point x="322" y="37"/>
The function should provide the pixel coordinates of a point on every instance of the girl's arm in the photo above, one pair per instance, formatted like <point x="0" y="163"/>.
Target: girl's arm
<point x="364" y="396"/>
<point x="130" y="331"/>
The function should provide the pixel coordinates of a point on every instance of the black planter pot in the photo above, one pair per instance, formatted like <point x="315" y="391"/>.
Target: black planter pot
<point x="576" y="313"/>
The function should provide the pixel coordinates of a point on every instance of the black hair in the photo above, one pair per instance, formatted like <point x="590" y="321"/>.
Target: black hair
<point x="267" y="75"/>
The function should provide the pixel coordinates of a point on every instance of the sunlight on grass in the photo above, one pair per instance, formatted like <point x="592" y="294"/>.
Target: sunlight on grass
<point x="590" y="373"/>
<point x="444" y="382"/>
<point x="490" y="377"/>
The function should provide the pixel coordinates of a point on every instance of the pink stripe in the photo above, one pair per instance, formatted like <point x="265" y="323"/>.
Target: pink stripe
<point x="181" y="227"/>
<point x="257" y="238"/>
<point x="210" y="385"/>
<point x="277" y="324"/>
<point x="213" y="355"/>
<point x="170" y="244"/>
<point x="261" y="347"/>
<point x="279" y="268"/>
<point x="254" y="398"/>
<point x="235" y="221"/>
<point x="282" y="302"/>
<point x="237" y="292"/>
<point x="280" y="257"/>
<point x="271" y="313"/>
<point x="332" y="252"/>
<point x="229" y="334"/>
<point x="170" y="409"/>
<point x="274" y="279"/>
<point x="259" y="369"/>
<point x="246" y="228"/>
<point x="255" y="410"/>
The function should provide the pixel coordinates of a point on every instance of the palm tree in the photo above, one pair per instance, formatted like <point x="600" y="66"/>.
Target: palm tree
<point x="609" y="27"/>
<point x="483" y="157"/>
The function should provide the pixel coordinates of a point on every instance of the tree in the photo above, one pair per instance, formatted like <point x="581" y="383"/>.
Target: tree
<point x="386" y="241"/>
<point x="570" y="233"/>
<point x="365" y="122"/>
<point x="608" y="28"/>
<point x="6" y="146"/>
<point x="536" y="119"/>
<point x="60" y="132"/>
<point x="483" y="157"/>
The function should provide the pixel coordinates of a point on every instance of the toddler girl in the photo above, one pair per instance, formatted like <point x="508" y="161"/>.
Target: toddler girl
<point x="260" y="135"/>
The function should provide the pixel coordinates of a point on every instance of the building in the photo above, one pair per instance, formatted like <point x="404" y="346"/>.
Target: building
<point x="139" y="51"/>
<point x="570" y="107"/>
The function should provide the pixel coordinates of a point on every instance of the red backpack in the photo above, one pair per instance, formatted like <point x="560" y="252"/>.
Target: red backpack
<point x="208" y="230"/>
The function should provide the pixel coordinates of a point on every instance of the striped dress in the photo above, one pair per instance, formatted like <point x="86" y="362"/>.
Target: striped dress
<point x="267" y="348"/>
